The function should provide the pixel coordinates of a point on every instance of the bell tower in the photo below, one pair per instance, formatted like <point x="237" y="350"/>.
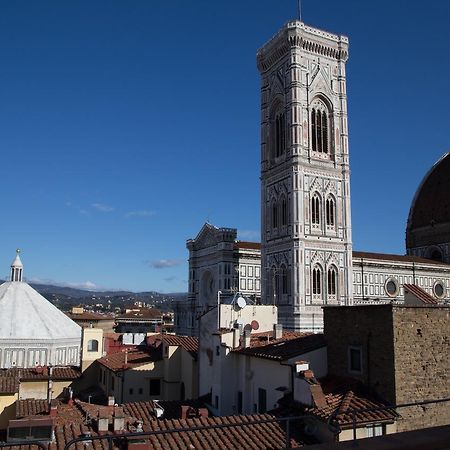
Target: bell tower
<point x="305" y="186"/>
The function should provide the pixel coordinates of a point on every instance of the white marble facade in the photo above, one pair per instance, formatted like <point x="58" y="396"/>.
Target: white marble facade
<point x="305" y="189"/>
<point x="218" y="262"/>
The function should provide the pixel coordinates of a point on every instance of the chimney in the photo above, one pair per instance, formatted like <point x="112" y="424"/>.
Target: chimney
<point x="119" y="419"/>
<point x="203" y="412"/>
<point x="53" y="408"/>
<point x="247" y="338"/>
<point x="184" y="411"/>
<point x="236" y="335"/>
<point x="277" y="331"/>
<point x="103" y="424"/>
<point x="111" y="400"/>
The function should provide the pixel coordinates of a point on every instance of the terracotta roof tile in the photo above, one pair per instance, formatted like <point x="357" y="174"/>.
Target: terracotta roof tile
<point x="248" y="245"/>
<point x="31" y="407"/>
<point x="9" y="385"/>
<point x="133" y="357"/>
<point x="262" y="345"/>
<point x="342" y="395"/>
<point x="189" y="343"/>
<point x="143" y="314"/>
<point x="422" y="295"/>
<point x="398" y="258"/>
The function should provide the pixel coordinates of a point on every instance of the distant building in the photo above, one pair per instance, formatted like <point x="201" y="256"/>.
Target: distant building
<point x="92" y="319"/>
<point x="139" y="320"/>
<point x="400" y="352"/>
<point x="217" y="262"/>
<point x="165" y="369"/>
<point x="33" y="332"/>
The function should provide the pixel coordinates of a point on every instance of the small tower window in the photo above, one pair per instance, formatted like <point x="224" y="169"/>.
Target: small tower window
<point x="330" y="212"/>
<point x="315" y="210"/>
<point x="274" y="214"/>
<point x="279" y="134"/>
<point x="332" y="281"/>
<point x="317" y="280"/>
<point x="92" y="345"/>
<point x="284" y="213"/>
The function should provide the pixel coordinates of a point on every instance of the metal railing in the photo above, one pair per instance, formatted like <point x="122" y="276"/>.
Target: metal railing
<point x="333" y="425"/>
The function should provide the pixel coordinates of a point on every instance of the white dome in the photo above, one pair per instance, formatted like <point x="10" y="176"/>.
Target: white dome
<point x="33" y="331"/>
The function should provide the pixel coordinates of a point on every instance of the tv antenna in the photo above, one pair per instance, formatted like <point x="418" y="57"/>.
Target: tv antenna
<point x="299" y="9"/>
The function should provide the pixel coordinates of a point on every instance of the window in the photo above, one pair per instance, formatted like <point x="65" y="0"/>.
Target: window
<point x="100" y="375"/>
<point x="216" y="402"/>
<point x="155" y="386"/>
<point x="262" y="401"/>
<point x="140" y="391"/>
<point x="217" y="350"/>
<point x="284" y="280"/>
<point x="375" y="430"/>
<point x="438" y="289"/>
<point x="330" y="212"/>
<point x="319" y="128"/>
<point x="284" y="213"/>
<point x="355" y="359"/>
<point x="279" y="134"/>
<point x="274" y="214"/>
<point x="239" y="402"/>
<point x="391" y="287"/>
<point x="131" y="391"/>
<point x="331" y="281"/>
<point x="317" y="281"/>
<point x="315" y="210"/>
<point x="92" y="345"/>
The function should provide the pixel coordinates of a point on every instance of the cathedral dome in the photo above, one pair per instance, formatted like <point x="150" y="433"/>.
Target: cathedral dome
<point x="32" y="330"/>
<point x="428" y="226"/>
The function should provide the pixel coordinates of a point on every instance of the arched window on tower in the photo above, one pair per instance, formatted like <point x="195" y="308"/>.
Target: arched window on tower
<point x="284" y="212"/>
<point x="315" y="210"/>
<point x="284" y="280"/>
<point x="317" y="281"/>
<point x="330" y="207"/>
<point x="274" y="214"/>
<point x="279" y="134"/>
<point x="319" y="128"/>
<point x="332" y="282"/>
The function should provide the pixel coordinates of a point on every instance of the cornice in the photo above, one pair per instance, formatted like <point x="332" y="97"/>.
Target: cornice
<point x="296" y="34"/>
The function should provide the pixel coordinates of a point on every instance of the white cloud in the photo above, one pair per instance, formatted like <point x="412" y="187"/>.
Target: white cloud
<point x="164" y="263"/>
<point x="140" y="213"/>
<point x="88" y="285"/>
<point x="102" y="207"/>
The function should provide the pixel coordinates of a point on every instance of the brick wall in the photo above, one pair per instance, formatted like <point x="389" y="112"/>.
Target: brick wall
<point x="370" y="328"/>
<point x="422" y="364"/>
<point x="405" y="355"/>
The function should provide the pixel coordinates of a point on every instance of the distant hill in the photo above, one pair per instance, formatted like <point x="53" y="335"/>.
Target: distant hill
<point x="66" y="297"/>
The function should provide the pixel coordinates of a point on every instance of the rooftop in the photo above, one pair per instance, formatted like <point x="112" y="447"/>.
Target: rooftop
<point x="130" y="358"/>
<point x="188" y="343"/>
<point x="263" y="345"/>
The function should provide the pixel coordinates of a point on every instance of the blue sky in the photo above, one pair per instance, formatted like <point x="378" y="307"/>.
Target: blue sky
<point x="125" y="125"/>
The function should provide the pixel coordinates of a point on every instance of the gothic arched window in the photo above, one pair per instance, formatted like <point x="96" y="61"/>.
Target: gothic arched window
<point x="330" y="207"/>
<point x="319" y="127"/>
<point x="284" y="280"/>
<point x="332" y="281"/>
<point x="284" y="212"/>
<point x="274" y="214"/>
<point x="315" y="210"/>
<point x="317" y="280"/>
<point x="279" y="134"/>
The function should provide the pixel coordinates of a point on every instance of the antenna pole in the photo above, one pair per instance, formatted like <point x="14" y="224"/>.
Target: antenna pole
<point x="299" y="6"/>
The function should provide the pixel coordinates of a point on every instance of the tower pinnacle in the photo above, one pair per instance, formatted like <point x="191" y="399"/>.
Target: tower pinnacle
<point x="16" y="268"/>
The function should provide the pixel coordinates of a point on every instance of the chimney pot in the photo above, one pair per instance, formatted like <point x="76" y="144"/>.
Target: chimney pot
<point x="277" y="331"/>
<point x="111" y="401"/>
<point x="247" y="338"/>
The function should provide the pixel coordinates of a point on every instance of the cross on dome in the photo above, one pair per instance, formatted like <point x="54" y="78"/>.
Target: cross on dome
<point x="16" y="268"/>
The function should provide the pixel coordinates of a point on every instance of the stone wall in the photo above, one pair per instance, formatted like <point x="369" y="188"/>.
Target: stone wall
<point x="422" y="364"/>
<point x="369" y="328"/>
<point x="405" y="355"/>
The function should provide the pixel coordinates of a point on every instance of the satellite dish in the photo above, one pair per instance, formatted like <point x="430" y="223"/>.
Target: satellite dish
<point x="241" y="303"/>
<point x="248" y="327"/>
<point x="254" y="325"/>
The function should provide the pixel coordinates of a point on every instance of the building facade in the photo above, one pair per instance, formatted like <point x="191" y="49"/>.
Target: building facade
<point x="305" y="179"/>
<point x="401" y="352"/>
<point x="219" y="265"/>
